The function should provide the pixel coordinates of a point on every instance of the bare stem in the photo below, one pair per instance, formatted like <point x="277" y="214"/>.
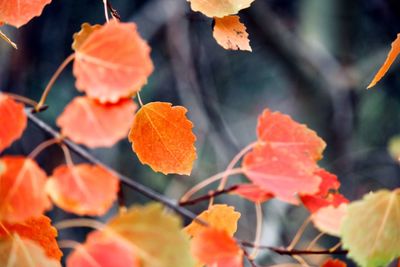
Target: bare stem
<point x="106" y="10"/>
<point x="139" y="99"/>
<point x="73" y="223"/>
<point x="22" y="99"/>
<point x="257" y="239"/>
<point x="211" y="194"/>
<point x="39" y="149"/>
<point x="8" y="40"/>
<point x="315" y="240"/>
<point x="299" y="233"/>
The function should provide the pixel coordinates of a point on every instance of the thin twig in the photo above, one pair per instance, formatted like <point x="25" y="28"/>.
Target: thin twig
<point x="210" y="195"/>
<point x="113" y="11"/>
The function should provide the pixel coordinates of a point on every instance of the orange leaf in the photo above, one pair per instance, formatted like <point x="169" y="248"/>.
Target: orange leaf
<point x="391" y="57"/>
<point x="83" y="189"/>
<point x="12" y="120"/>
<point x="253" y="193"/>
<point x="231" y="34"/>
<point x="39" y="230"/>
<point x="162" y="137"/>
<point x="216" y="248"/>
<point x="86" y="121"/>
<point x="81" y="36"/>
<point x="219" y="8"/>
<point x="334" y="263"/>
<point x="113" y="62"/>
<point x="219" y="216"/>
<point x="19" y="12"/>
<point x="103" y="250"/>
<point x="22" y="185"/>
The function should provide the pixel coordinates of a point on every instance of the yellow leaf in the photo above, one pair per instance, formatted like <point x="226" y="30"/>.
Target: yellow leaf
<point x="219" y="8"/>
<point x="81" y="36"/>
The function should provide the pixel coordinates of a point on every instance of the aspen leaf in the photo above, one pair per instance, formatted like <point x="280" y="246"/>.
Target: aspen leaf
<point x="156" y="236"/>
<point x="81" y="36"/>
<point x="391" y="57"/>
<point x="370" y="229"/>
<point x="112" y="63"/>
<point x="88" y="122"/>
<point x="19" y="252"/>
<point x="329" y="219"/>
<point x="253" y="193"/>
<point x="219" y="216"/>
<point x="103" y="250"/>
<point x="219" y="8"/>
<point x="231" y="34"/>
<point x="37" y="229"/>
<point x="215" y="247"/>
<point x="162" y="137"/>
<point x="12" y="120"/>
<point x="22" y="185"/>
<point x="83" y="189"/>
<point x="334" y="263"/>
<point x="20" y="12"/>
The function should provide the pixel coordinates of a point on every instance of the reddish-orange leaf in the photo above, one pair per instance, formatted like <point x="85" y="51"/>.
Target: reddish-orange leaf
<point x="88" y="122"/>
<point x="282" y="132"/>
<point x="329" y="219"/>
<point x="22" y="189"/>
<point x="334" y="263"/>
<point x="231" y="34"/>
<point x="37" y="229"/>
<point x="81" y="36"/>
<point x="12" y="120"/>
<point x="315" y="202"/>
<point x="216" y="248"/>
<point x="113" y="62"/>
<point x="83" y="189"/>
<point x="19" y="12"/>
<point x="329" y="182"/>
<point x="219" y="8"/>
<point x="391" y="57"/>
<point x="280" y="171"/>
<point x="162" y="137"/>
<point x="253" y="193"/>
<point x="103" y="249"/>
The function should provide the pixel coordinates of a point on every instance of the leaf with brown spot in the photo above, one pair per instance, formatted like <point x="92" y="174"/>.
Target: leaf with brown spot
<point x="81" y="36"/>
<point x="231" y="34"/>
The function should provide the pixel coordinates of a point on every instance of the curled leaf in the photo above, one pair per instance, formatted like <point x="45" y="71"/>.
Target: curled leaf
<point x="20" y="12"/>
<point x="231" y="34"/>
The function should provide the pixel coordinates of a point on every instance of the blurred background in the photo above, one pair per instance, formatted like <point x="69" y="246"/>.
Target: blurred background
<point x="311" y="59"/>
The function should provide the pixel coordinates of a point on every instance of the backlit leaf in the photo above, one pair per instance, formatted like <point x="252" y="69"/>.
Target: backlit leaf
<point x="219" y="8"/>
<point x="112" y="63"/>
<point x="22" y="185"/>
<point x="391" y="57"/>
<point x="329" y="219"/>
<point x="334" y="263"/>
<point x="231" y="34"/>
<point x="103" y="250"/>
<point x="83" y="189"/>
<point x="217" y="248"/>
<point x="88" y="122"/>
<point x="162" y="137"/>
<point x="370" y="229"/>
<point x="19" y="12"/>
<point x="17" y="252"/>
<point x="81" y="36"/>
<point x="12" y="120"/>
<point x="37" y="229"/>
<point x="157" y="236"/>
<point x="219" y="216"/>
<point x="253" y="193"/>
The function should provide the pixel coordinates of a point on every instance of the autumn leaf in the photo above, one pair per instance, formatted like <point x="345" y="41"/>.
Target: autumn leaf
<point x="83" y="189"/>
<point x="103" y="249"/>
<point x="88" y="122"/>
<point x="219" y="8"/>
<point x="218" y="216"/>
<point x="81" y="36"/>
<point x="20" y="12"/>
<point x="253" y="193"/>
<point x="112" y="63"/>
<point x="22" y="185"/>
<point x="231" y="34"/>
<point x="37" y="229"/>
<point x="333" y="263"/>
<point x="391" y="57"/>
<point x="13" y="121"/>
<point x="19" y="252"/>
<point x="155" y="235"/>
<point x="162" y="137"/>
<point x="215" y="247"/>
<point x="329" y="219"/>
<point x="370" y="229"/>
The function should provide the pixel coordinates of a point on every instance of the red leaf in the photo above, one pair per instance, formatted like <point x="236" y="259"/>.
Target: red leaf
<point x="315" y="202"/>
<point x="22" y="185"/>
<point x="334" y="263"/>
<point x="12" y="120"/>
<point x="86" y="121"/>
<point x="253" y="193"/>
<point x="83" y="189"/>
<point x="113" y="62"/>
<point x="19" y="12"/>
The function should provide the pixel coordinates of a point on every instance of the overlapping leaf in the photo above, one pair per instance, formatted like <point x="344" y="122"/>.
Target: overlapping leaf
<point x="112" y="63"/>
<point x="370" y="229"/>
<point x="12" y="120"/>
<point x="253" y="193"/>
<point x="155" y="235"/>
<point x="231" y="34"/>
<point x="22" y="185"/>
<point x="103" y="249"/>
<point x="162" y="137"/>
<point x="87" y="121"/>
<point x="38" y="230"/>
<point x="20" y="12"/>
<point x="329" y="219"/>
<point x="83" y="189"/>
<point x="219" y="8"/>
